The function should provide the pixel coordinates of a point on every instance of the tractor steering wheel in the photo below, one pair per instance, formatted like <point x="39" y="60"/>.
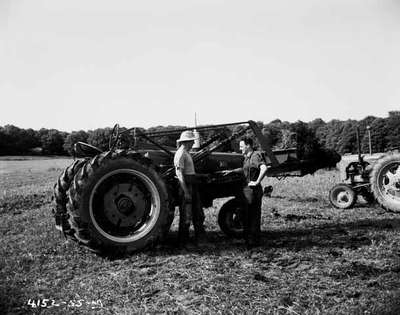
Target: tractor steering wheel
<point x="114" y="137"/>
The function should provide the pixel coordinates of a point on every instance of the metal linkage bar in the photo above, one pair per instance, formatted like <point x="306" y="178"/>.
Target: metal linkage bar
<point x="154" y="142"/>
<point x="206" y="144"/>
<point x="198" y="156"/>
<point x="263" y="139"/>
<point x="201" y="154"/>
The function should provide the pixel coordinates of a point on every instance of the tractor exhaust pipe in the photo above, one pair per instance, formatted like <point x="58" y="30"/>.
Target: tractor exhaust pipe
<point x="358" y="144"/>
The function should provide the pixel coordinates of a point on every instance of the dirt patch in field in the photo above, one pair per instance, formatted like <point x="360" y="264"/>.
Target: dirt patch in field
<point x="17" y="204"/>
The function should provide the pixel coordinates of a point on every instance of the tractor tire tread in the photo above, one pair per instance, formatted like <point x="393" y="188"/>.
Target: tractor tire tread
<point x="374" y="178"/>
<point x="83" y="232"/>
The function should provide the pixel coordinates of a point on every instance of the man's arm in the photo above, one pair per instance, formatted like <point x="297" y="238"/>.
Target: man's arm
<point x="179" y="164"/>
<point x="182" y="182"/>
<point x="263" y="170"/>
<point x="258" y="160"/>
<point x="238" y="170"/>
<point x="235" y="170"/>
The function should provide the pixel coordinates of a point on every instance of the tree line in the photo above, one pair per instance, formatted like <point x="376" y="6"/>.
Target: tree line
<point x="336" y="134"/>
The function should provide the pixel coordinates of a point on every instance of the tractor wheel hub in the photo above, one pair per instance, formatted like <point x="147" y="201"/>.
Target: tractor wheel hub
<point x="125" y="204"/>
<point x="343" y="197"/>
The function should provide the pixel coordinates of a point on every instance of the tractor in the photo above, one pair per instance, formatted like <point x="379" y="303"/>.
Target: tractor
<point x="123" y="200"/>
<point x="375" y="177"/>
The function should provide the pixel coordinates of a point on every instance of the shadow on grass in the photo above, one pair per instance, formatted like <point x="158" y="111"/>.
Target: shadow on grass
<point x="331" y="236"/>
<point x="11" y="296"/>
<point x="350" y="235"/>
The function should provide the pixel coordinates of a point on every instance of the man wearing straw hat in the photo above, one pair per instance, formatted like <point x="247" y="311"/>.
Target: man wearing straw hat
<point x="190" y="208"/>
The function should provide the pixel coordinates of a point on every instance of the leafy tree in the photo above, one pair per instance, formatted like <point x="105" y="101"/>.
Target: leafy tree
<point x="316" y="124"/>
<point x="14" y="140"/>
<point x="74" y="137"/>
<point x="348" y="139"/>
<point x="169" y="139"/>
<point x="11" y="136"/>
<point x="307" y="142"/>
<point x="332" y="132"/>
<point x="364" y="123"/>
<point x="393" y="130"/>
<point x="378" y="130"/>
<point x="29" y="139"/>
<point x="273" y="131"/>
<point x="52" y="141"/>
<point x="100" y="137"/>
<point x="335" y="134"/>
<point x="289" y="139"/>
<point x="367" y="121"/>
<point x="4" y="142"/>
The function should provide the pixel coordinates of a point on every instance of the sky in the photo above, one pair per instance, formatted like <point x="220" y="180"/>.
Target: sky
<point x="80" y="64"/>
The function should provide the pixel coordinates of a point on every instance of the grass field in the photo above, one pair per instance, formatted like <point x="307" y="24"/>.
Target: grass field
<point x="314" y="259"/>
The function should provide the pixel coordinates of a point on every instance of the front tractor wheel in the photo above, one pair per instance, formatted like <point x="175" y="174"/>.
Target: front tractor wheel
<point x="385" y="182"/>
<point x="230" y="218"/>
<point x="119" y="204"/>
<point x="342" y="196"/>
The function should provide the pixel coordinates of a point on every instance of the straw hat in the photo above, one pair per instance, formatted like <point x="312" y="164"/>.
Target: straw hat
<point x="187" y="135"/>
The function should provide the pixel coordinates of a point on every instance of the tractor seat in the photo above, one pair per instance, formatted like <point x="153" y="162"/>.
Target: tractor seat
<point x="82" y="149"/>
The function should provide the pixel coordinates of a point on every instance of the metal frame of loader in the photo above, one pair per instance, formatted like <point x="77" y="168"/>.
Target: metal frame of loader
<point x="283" y="163"/>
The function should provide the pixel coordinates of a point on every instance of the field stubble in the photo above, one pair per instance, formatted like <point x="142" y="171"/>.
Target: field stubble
<point x="313" y="260"/>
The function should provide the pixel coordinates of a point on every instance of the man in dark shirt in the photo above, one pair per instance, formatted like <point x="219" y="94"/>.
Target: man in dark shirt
<point x="254" y="169"/>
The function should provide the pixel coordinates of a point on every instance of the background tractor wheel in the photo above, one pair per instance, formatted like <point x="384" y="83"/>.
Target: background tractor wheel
<point x="230" y="218"/>
<point x="342" y="196"/>
<point x="385" y="182"/>
<point x="119" y="204"/>
<point x="60" y="194"/>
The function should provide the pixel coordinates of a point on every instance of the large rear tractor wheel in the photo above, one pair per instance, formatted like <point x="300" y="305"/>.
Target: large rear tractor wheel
<point x="342" y="196"/>
<point x="385" y="182"/>
<point x="119" y="204"/>
<point x="60" y="194"/>
<point x="230" y="218"/>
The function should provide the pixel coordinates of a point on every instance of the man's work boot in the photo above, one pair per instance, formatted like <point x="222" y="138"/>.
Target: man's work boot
<point x="183" y="237"/>
<point x="201" y="237"/>
<point x="253" y="242"/>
